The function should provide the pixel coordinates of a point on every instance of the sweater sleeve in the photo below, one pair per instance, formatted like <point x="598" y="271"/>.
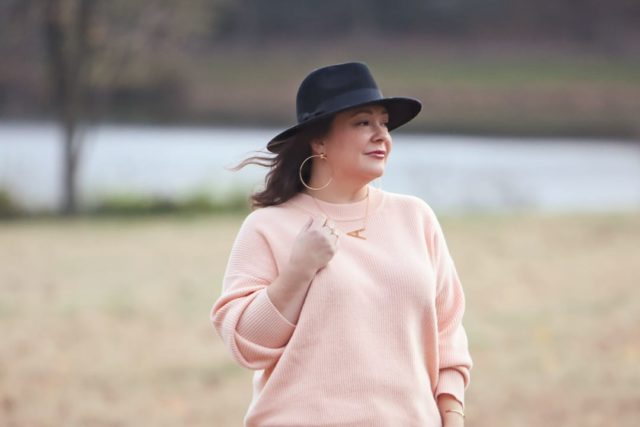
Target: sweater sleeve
<point x="251" y="327"/>
<point x="455" y="359"/>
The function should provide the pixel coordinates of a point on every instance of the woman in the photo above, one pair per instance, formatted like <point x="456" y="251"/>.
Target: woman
<point x="343" y="297"/>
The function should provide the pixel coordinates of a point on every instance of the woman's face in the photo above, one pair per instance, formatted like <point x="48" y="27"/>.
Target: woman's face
<point x="354" y="135"/>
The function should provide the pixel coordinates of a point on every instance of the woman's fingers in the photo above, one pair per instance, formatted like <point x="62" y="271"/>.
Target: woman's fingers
<point x="308" y="223"/>
<point x="331" y="229"/>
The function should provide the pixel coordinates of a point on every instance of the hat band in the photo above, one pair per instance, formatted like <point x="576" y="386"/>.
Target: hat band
<point x="354" y="97"/>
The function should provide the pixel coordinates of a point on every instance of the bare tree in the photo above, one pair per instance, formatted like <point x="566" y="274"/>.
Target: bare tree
<point x="80" y="46"/>
<point x="66" y="27"/>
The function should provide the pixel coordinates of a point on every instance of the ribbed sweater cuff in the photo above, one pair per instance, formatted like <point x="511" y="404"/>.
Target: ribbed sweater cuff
<point x="263" y="324"/>
<point x="452" y="382"/>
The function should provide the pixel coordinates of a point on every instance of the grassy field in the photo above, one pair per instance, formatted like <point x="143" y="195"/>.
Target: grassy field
<point x="105" y="322"/>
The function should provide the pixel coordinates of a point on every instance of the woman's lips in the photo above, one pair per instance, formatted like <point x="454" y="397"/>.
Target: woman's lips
<point x="377" y="155"/>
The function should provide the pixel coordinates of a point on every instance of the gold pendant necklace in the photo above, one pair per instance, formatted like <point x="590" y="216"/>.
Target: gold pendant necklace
<point x="354" y="233"/>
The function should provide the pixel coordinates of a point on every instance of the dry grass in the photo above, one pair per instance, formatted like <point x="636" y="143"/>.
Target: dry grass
<point x="105" y="323"/>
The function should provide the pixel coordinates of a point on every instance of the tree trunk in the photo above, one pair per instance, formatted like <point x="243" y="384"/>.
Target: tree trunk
<point x="67" y="49"/>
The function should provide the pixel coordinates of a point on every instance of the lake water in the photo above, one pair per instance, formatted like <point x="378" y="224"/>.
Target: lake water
<point x="451" y="173"/>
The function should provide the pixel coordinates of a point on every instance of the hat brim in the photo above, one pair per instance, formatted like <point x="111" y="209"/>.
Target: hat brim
<point x="401" y="110"/>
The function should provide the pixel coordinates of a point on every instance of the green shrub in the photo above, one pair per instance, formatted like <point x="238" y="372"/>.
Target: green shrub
<point x="8" y="206"/>
<point x="128" y="204"/>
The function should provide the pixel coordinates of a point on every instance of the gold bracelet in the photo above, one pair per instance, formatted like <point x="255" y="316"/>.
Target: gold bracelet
<point x="456" y="411"/>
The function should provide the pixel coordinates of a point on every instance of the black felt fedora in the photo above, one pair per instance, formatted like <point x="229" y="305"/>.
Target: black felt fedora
<point x="334" y="88"/>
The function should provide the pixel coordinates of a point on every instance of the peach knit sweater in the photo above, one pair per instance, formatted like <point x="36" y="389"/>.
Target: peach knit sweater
<point x="380" y="333"/>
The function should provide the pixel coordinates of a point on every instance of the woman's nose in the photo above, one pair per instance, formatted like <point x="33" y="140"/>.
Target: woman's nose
<point x="381" y="131"/>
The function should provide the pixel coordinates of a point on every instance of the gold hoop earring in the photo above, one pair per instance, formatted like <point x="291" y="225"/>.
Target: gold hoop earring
<point x="323" y="157"/>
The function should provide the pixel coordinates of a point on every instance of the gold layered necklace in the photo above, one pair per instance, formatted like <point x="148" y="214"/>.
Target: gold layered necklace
<point x="354" y="233"/>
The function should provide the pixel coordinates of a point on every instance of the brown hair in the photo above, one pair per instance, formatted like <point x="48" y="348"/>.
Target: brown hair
<point x="282" y="181"/>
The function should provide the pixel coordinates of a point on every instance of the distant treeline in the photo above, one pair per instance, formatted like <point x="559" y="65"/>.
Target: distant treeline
<point x="558" y="67"/>
<point x="586" y="21"/>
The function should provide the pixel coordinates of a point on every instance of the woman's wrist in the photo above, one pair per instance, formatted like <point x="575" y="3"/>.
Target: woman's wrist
<point x="451" y="410"/>
<point x="298" y="273"/>
<point x="452" y="419"/>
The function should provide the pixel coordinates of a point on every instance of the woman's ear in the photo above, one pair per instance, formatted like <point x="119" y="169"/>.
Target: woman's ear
<point x="317" y="146"/>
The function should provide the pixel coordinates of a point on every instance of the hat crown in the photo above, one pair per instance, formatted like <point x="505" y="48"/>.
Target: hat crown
<point x="327" y="84"/>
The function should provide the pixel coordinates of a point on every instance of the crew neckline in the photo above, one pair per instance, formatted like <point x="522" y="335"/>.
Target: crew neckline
<point x="351" y="211"/>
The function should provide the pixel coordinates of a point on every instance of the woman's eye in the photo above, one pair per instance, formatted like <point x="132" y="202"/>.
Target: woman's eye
<point x="367" y="123"/>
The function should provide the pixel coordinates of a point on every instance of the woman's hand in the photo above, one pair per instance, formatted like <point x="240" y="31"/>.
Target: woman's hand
<point x="312" y="249"/>
<point x="314" y="246"/>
